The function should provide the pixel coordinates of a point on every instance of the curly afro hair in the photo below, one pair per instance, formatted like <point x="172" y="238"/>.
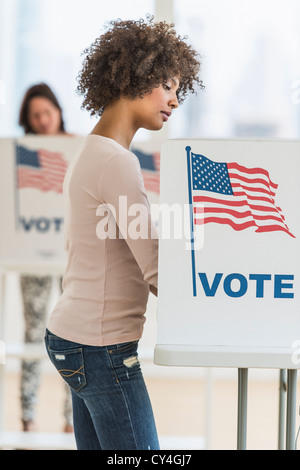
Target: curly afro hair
<point x="131" y="59"/>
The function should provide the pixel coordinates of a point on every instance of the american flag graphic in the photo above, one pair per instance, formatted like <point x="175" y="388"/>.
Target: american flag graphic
<point x="40" y="169"/>
<point x="150" y="165"/>
<point x="231" y="194"/>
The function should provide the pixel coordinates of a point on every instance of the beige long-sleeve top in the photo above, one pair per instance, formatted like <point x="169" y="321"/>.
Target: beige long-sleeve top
<point x="110" y="266"/>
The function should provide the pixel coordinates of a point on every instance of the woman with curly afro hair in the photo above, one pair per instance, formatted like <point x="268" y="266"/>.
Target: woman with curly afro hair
<point x="133" y="77"/>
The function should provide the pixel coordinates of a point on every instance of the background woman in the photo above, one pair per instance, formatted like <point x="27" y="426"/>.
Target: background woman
<point x="41" y="114"/>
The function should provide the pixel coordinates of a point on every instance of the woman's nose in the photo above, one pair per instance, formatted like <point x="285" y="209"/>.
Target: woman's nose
<point x="174" y="102"/>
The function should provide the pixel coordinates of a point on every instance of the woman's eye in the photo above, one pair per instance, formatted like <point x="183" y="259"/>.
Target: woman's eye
<point x="167" y="87"/>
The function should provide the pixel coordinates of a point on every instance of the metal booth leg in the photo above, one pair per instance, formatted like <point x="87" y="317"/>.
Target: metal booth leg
<point x="291" y="409"/>
<point x="242" y="408"/>
<point x="282" y="409"/>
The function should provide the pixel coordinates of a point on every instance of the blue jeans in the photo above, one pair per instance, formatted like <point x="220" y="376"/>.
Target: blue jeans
<point x="111" y="406"/>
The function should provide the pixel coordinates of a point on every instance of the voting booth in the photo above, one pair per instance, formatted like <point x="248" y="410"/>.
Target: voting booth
<point x="229" y="248"/>
<point x="32" y="172"/>
<point x="229" y="259"/>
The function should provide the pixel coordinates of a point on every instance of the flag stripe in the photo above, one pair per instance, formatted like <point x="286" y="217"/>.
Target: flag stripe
<point x="252" y="171"/>
<point x="259" y="180"/>
<point x="248" y="180"/>
<point x="238" y="224"/>
<point x="226" y="221"/>
<point x="261" y="199"/>
<point x="233" y="203"/>
<point x="237" y="214"/>
<point x="273" y="228"/>
<point x="255" y="190"/>
<point x="254" y="209"/>
<point x="250" y="196"/>
<point x="257" y="215"/>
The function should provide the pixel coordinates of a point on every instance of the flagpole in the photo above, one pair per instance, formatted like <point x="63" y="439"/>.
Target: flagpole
<point x="188" y="151"/>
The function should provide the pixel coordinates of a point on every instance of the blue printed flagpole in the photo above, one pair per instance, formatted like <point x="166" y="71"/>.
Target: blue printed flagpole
<point x="188" y="151"/>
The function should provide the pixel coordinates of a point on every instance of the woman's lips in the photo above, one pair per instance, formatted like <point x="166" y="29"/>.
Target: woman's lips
<point x="166" y="115"/>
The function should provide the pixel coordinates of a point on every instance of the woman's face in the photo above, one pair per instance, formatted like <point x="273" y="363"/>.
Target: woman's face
<point x="44" y="117"/>
<point x="156" y="107"/>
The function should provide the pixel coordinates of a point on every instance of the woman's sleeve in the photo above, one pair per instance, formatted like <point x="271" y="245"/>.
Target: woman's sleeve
<point x="122" y="188"/>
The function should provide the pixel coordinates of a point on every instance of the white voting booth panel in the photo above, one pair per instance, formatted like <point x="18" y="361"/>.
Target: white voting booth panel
<point x="229" y="273"/>
<point x="32" y="170"/>
<point x="31" y="204"/>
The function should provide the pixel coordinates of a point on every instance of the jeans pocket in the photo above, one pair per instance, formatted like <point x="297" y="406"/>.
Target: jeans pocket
<point x="70" y="365"/>
<point x="123" y="347"/>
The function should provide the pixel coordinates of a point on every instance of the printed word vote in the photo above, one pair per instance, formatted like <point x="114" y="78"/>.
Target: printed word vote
<point x="236" y="284"/>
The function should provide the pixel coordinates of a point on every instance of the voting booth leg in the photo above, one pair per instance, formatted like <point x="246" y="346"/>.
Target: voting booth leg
<point x="282" y="409"/>
<point x="291" y="409"/>
<point x="242" y="408"/>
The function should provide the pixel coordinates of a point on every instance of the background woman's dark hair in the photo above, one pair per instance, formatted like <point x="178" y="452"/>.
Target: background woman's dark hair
<point x="131" y="59"/>
<point x="39" y="90"/>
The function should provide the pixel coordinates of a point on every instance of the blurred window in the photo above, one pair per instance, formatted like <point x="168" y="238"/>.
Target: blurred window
<point x="250" y="61"/>
<point x="43" y="41"/>
<point x="250" y="66"/>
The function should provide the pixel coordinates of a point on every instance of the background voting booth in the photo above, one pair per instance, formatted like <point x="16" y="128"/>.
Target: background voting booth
<point x="32" y="171"/>
<point x="32" y="210"/>
<point x="229" y="266"/>
<point x="31" y="242"/>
